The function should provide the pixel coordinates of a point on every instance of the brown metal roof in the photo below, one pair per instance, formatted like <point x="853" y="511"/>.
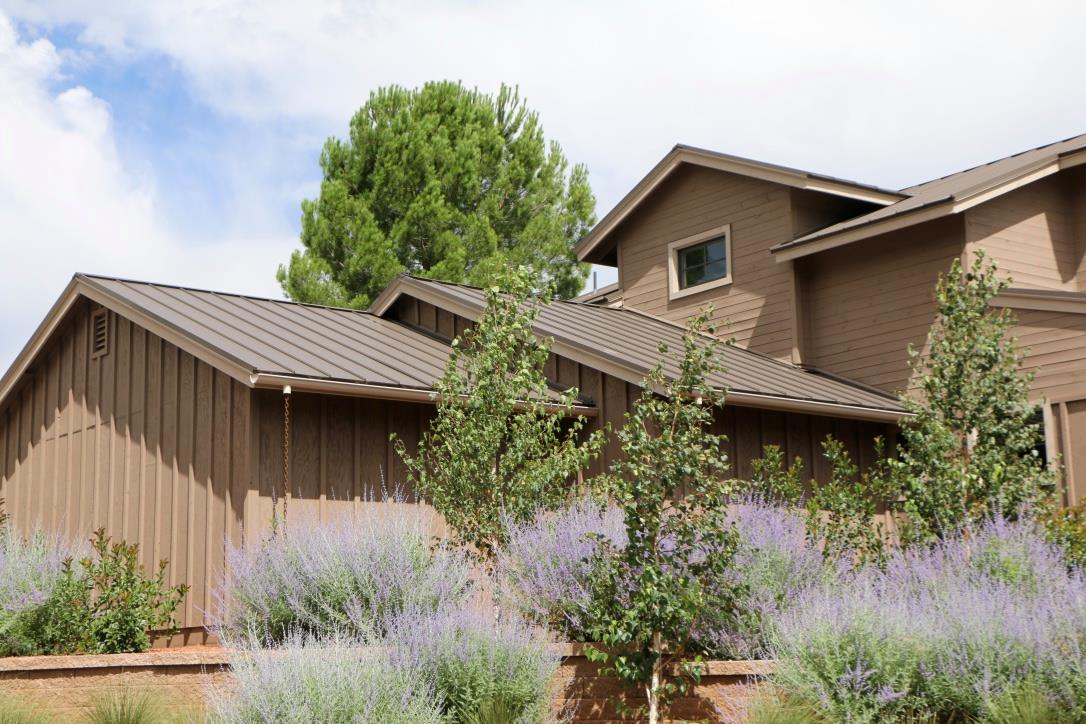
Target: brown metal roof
<point x="631" y="339"/>
<point x="279" y="337"/>
<point x="956" y="187"/>
<point x="284" y="341"/>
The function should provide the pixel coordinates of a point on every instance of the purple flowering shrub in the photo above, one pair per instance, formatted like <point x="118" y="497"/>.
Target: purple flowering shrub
<point x="775" y="562"/>
<point x="544" y="571"/>
<point x="30" y="569"/>
<point x="457" y="664"/>
<point x="344" y="577"/>
<point x="484" y="668"/>
<point x="941" y="633"/>
<point x="331" y="680"/>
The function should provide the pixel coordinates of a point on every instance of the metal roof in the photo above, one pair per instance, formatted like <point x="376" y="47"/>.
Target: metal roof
<point x="630" y="339"/>
<point x="956" y="187"/>
<point x="280" y="337"/>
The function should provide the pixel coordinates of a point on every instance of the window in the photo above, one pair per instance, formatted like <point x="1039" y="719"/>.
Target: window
<point x="700" y="262"/>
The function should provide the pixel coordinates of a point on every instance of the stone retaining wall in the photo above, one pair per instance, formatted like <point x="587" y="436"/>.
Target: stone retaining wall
<point x="65" y="687"/>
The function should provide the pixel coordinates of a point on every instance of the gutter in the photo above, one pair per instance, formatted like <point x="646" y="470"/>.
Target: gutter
<point x="830" y="409"/>
<point x="260" y="380"/>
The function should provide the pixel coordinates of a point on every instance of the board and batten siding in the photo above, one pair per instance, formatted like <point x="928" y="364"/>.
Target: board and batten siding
<point x="865" y="303"/>
<point x="145" y="441"/>
<point x="756" y="308"/>
<point x="341" y="456"/>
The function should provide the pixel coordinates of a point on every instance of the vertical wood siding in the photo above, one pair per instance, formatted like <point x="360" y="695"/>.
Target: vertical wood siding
<point x="142" y="441"/>
<point x="756" y="307"/>
<point x="341" y="457"/>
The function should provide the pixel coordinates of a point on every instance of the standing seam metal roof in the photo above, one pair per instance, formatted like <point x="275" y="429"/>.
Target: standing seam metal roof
<point x="631" y="338"/>
<point x="280" y="337"/>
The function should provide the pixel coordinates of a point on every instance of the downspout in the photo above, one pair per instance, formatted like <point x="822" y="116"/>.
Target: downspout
<point x="286" y="454"/>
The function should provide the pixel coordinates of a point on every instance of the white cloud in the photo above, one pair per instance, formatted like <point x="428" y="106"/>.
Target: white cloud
<point x="68" y="204"/>
<point x="879" y="92"/>
<point x="889" y="93"/>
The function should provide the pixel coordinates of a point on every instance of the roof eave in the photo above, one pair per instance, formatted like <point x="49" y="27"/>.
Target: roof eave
<point x="83" y="286"/>
<point x="767" y="172"/>
<point x="279" y="381"/>
<point x="947" y="206"/>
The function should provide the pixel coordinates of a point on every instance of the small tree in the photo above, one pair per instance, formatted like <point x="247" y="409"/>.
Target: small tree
<point x="774" y="480"/>
<point x="971" y="449"/>
<point x="652" y="595"/>
<point x="841" y="512"/>
<point x="503" y="442"/>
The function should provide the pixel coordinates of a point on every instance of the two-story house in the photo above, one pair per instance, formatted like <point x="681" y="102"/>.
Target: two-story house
<point x="174" y="416"/>
<point x="839" y="277"/>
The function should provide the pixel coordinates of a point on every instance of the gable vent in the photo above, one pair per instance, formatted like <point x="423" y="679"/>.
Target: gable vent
<point x="99" y="333"/>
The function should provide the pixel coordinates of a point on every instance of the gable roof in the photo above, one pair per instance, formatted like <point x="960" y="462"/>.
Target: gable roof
<point x="681" y="154"/>
<point x="944" y="196"/>
<point x="266" y="343"/>
<point x="625" y="343"/>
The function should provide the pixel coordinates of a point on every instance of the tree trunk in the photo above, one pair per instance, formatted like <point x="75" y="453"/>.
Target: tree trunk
<point x="653" y="689"/>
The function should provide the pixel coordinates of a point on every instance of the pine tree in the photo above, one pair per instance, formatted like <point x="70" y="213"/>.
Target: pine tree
<point x="445" y="182"/>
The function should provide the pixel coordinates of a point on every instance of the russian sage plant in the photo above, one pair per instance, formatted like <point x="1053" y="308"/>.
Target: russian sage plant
<point x="944" y="633"/>
<point x="544" y="570"/>
<point x="484" y="669"/>
<point x="343" y="577"/>
<point x="338" y="681"/>
<point x="31" y="567"/>
<point x="775" y="562"/>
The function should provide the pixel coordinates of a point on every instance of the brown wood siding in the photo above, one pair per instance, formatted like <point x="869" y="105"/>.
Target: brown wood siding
<point x="755" y="308"/>
<point x="1030" y="232"/>
<point x="142" y="441"/>
<point x="813" y="210"/>
<point x="1055" y="347"/>
<point x="341" y="456"/>
<point x="867" y="302"/>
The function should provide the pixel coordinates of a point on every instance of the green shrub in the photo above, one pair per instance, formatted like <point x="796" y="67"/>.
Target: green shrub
<point x="31" y="569"/>
<point x="1066" y="528"/>
<point x="107" y="604"/>
<point x="483" y="670"/>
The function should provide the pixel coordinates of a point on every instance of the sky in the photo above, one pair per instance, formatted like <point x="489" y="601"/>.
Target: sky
<point x="174" y="142"/>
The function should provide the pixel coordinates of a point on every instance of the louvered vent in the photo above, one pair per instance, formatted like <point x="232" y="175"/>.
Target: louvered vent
<point x="99" y="333"/>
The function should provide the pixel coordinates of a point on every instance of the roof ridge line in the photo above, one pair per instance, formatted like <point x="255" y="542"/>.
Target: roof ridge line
<point x="199" y="290"/>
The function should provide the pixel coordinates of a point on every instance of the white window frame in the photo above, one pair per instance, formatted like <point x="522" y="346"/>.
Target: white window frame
<point x="674" y="290"/>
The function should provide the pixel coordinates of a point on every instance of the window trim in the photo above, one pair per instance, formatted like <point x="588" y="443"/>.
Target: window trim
<point x="674" y="289"/>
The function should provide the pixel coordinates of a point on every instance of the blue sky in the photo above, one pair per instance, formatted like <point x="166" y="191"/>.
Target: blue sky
<point x="175" y="141"/>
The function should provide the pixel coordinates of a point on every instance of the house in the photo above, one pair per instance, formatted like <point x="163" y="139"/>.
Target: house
<point x="832" y="275"/>
<point x="173" y="416"/>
